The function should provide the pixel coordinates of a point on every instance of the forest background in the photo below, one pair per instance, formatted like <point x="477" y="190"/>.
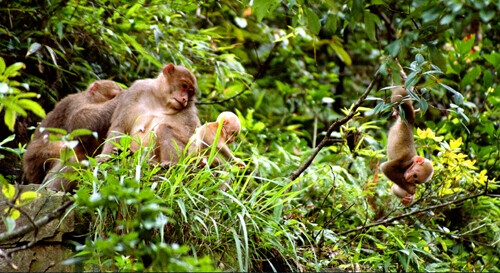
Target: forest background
<point x="308" y="80"/>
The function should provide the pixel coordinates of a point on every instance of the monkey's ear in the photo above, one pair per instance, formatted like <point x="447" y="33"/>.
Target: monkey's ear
<point x="419" y="159"/>
<point x="168" y="68"/>
<point x="93" y="87"/>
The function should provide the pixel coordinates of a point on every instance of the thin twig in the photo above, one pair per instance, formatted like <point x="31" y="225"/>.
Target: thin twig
<point x="222" y="101"/>
<point x="5" y="236"/>
<point x="387" y="221"/>
<point x="334" y="126"/>
<point x="401" y="70"/>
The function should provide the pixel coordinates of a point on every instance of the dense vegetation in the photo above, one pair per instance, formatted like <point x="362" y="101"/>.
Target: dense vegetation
<point x="292" y="71"/>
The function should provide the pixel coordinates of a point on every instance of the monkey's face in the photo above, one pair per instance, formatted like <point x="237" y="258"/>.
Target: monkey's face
<point x="182" y="95"/>
<point x="232" y="128"/>
<point x="182" y="86"/>
<point x="420" y="171"/>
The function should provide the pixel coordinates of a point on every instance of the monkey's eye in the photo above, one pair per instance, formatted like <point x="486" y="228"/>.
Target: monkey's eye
<point x="184" y="86"/>
<point x="415" y="176"/>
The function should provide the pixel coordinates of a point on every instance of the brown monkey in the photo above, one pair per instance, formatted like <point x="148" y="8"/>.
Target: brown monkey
<point x="405" y="168"/>
<point x="162" y="109"/>
<point x="91" y="109"/>
<point x="205" y="135"/>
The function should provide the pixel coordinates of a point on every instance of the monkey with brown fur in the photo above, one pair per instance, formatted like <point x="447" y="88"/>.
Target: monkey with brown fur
<point x="161" y="109"/>
<point x="405" y="168"/>
<point x="91" y="109"/>
<point x="205" y="136"/>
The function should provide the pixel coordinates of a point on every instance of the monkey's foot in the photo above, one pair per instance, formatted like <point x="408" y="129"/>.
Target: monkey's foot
<point x="241" y="164"/>
<point x="407" y="199"/>
<point x="167" y="164"/>
<point x="102" y="158"/>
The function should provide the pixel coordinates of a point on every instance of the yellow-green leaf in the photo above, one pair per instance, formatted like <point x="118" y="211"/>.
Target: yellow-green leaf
<point x="14" y="213"/>
<point x="8" y="191"/>
<point x="28" y="197"/>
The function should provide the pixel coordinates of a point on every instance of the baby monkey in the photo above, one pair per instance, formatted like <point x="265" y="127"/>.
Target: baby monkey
<point x="204" y="137"/>
<point x="405" y="168"/>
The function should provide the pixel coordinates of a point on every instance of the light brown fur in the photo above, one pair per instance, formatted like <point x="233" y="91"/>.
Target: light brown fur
<point x="162" y="109"/>
<point x="404" y="167"/>
<point x="205" y="136"/>
<point x="90" y="109"/>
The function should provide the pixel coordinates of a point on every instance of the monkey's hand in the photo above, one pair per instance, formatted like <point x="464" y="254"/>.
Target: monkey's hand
<point x="240" y="163"/>
<point x="407" y="199"/>
<point x="102" y="158"/>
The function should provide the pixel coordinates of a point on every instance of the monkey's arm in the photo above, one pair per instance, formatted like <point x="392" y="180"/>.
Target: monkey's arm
<point x="394" y="170"/>
<point x="225" y="151"/>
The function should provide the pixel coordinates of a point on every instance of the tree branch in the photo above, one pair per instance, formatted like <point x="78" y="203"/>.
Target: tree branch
<point x="5" y="236"/>
<point x="334" y="126"/>
<point x="387" y="221"/>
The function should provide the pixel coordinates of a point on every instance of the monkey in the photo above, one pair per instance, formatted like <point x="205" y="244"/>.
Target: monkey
<point x="205" y="135"/>
<point x="162" y="110"/>
<point x="405" y="168"/>
<point x="91" y="109"/>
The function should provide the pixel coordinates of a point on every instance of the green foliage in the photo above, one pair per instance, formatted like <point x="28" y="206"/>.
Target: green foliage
<point x="15" y="201"/>
<point x="224" y="213"/>
<point x="288" y="69"/>
<point x="13" y="101"/>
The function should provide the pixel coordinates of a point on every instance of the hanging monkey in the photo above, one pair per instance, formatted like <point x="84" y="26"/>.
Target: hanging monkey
<point x="405" y="168"/>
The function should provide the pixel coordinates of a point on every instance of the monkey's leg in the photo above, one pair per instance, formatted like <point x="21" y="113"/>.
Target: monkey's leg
<point x="168" y="148"/>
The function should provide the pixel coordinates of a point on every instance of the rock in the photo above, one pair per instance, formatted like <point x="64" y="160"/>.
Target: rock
<point x="52" y="241"/>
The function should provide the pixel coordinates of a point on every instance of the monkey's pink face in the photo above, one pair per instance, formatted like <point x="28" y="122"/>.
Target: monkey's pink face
<point x="420" y="171"/>
<point x="182" y="94"/>
<point x="232" y="128"/>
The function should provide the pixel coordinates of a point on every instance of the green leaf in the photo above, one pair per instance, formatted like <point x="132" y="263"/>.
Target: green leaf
<point x="53" y="130"/>
<point x="493" y="58"/>
<point x="371" y="20"/>
<point x="10" y="118"/>
<point x="447" y="19"/>
<point x="343" y="55"/>
<point x="11" y="71"/>
<point x="394" y="48"/>
<point x="80" y="132"/>
<point x="487" y="78"/>
<point x="465" y="47"/>
<point x="2" y="65"/>
<point x="7" y="139"/>
<point x="141" y="50"/>
<point x="312" y="21"/>
<point x="457" y="97"/>
<point x="420" y="59"/>
<point x="471" y="76"/>
<point x="52" y="55"/>
<point x="331" y="23"/>
<point x="28" y="197"/>
<point x="357" y="11"/>
<point x="9" y="191"/>
<point x="33" y="48"/>
<point x="437" y="58"/>
<point x="487" y="14"/>
<point x="32" y="106"/>
<point x="10" y="224"/>
<point x="262" y="8"/>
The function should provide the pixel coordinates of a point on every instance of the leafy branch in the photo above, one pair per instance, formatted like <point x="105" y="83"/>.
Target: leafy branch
<point x="334" y="126"/>
<point x="390" y="220"/>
